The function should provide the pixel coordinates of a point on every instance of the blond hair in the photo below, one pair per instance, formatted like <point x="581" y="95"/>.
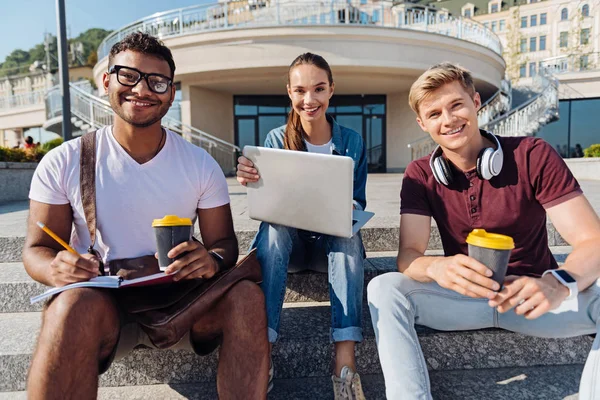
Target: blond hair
<point x="434" y="78"/>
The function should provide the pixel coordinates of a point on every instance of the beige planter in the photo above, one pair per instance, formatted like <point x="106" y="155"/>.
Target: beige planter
<point x="15" y="179"/>
<point x="585" y="168"/>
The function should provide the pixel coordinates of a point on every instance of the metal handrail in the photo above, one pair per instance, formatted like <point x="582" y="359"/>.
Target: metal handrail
<point x="97" y="112"/>
<point x="496" y="105"/>
<point x="21" y="100"/>
<point x="236" y="14"/>
<point x="529" y="117"/>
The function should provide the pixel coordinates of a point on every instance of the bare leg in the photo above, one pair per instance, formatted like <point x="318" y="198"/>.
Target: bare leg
<point x="80" y="328"/>
<point x="344" y="356"/>
<point x="244" y="355"/>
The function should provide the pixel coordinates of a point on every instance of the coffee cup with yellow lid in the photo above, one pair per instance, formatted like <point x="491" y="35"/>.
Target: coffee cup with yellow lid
<point x="169" y="232"/>
<point x="492" y="250"/>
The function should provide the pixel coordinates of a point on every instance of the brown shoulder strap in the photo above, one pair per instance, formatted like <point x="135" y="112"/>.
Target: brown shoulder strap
<point x="87" y="182"/>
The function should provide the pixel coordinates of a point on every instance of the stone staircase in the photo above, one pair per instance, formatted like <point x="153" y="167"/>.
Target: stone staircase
<point x="463" y="365"/>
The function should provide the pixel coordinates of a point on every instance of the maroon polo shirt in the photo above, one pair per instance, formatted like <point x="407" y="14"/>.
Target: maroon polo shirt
<point x="533" y="177"/>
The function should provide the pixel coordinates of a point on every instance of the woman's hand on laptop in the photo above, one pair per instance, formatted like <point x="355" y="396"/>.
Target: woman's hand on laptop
<point x="246" y="171"/>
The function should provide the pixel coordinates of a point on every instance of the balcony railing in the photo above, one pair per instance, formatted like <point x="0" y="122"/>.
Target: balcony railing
<point x="96" y="112"/>
<point x="524" y="120"/>
<point x="238" y="14"/>
<point x="21" y="100"/>
<point x="572" y="63"/>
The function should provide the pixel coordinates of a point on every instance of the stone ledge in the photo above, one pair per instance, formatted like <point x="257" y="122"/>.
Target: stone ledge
<point x="556" y="382"/>
<point x="18" y="165"/>
<point x="303" y="351"/>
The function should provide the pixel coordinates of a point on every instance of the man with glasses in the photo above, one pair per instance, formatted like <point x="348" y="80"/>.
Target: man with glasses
<point x="143" y="172"/>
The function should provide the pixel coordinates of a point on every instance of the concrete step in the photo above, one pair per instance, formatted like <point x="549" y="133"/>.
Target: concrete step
<point x="549" y="383"/>
<point x="375" y="238"/>
<point x="16" y="287"/>
<point x="303" y="351"/>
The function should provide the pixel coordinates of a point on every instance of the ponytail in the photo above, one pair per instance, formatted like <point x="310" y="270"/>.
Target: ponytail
<point x="293" y="138"/>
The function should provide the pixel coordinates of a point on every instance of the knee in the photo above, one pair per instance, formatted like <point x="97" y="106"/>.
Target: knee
<point x="273" y="237"/>
<point x="246" y="299"/>
<point x="83" y="307"/>
<point x="352" y="247"/>
<point x="385" y="290"/>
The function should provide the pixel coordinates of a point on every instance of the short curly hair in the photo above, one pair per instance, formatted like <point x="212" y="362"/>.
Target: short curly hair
<point x="145" y="44"/>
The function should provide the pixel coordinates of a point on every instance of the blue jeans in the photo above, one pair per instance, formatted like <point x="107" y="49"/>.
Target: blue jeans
<point x="274" y="245"/>
<point x="397" y="302"/>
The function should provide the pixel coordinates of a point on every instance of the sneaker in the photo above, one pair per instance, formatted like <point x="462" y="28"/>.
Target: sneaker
<point x="271" y="372"/>
<point x="347" y="386"/>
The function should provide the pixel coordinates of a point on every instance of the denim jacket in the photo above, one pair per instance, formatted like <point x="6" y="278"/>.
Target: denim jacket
<point x="346" y="142"/>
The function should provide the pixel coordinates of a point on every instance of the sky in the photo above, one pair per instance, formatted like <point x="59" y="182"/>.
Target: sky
<point x="25" y="21"/>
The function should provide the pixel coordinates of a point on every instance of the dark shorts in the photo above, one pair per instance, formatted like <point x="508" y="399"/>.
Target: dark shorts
<point x="132" y="336"/>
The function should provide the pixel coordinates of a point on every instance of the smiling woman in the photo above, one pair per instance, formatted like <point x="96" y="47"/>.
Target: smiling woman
<point x="309" y="128"/>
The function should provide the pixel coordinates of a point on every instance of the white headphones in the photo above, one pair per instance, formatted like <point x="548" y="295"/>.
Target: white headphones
<point x="489" y="162"/>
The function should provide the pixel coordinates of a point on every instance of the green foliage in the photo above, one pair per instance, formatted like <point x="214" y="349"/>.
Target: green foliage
<point x="21" y="155"/>
<point x="49" y="145"/>
<point x="18" y="61"/>
<point x="592" y="151"/>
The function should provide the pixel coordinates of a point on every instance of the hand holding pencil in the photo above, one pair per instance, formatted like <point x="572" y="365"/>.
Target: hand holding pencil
<point x="69" y="266"/>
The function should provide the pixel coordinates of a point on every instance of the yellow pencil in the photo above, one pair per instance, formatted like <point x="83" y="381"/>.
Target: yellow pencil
<point x="55" y="237"/>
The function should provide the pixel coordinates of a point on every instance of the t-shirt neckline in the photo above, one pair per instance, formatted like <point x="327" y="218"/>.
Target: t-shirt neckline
<point x="128" y="156"/>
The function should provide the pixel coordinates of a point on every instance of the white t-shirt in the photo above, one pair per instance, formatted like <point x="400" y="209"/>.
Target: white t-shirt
<point x="179" y="180"/>
<point x="320" y="148"/>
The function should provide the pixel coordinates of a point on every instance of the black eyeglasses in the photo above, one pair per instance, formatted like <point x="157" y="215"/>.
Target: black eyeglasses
<point x="128" y="76"/>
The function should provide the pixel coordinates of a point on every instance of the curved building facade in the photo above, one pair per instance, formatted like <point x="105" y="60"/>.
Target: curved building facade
<point x="232" y="60"/>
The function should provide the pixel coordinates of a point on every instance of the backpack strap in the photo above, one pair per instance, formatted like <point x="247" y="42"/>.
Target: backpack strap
<point x="87" y="187"/>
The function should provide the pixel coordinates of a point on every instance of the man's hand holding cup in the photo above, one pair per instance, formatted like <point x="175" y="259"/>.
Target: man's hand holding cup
<point x="464" y="275"/>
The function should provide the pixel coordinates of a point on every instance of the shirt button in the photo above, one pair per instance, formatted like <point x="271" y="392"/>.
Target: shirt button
<point x="474" y="210"/>
<point x="470" y="184"/>
<point x="472" y="197"/>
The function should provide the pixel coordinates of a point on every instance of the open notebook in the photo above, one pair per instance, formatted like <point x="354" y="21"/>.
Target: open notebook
<point x="109" y="282"/>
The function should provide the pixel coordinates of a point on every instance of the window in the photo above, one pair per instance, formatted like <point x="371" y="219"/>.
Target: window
<point x="585" y="10"/>
<point x="522" y="71"/>
<point x="585" y="36"/>
<point x="564" y="39"/>
<point x="532" y="70"/>
<point x="494" y="8"/>
<point x="523" y="46"/>
<point x="523" y="22"/>
<point x="564" y="14"/>
<point x="502" y="25"/>
<point x="493" y="26"/>
<point x="533" y="20"/>
<point x="467" y="13"/>
<point x="583" y="62"/>
<point x="542" y="43"/>
<point x="532" y="44"/>
<point x="543" y="17"/>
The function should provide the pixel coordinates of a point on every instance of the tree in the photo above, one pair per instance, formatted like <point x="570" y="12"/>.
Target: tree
<point x="18" y="61"/>
<point x="512" y="51"/>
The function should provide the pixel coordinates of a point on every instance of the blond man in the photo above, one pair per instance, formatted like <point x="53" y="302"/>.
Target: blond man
<point x="505" y="185"/>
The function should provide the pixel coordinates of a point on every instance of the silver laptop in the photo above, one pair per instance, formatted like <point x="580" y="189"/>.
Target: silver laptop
<point x="304" y="190"/>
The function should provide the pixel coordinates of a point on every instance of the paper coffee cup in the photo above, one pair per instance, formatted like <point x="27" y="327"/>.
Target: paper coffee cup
<point x="492" y="250"/>
<point x="169" y="232"/>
